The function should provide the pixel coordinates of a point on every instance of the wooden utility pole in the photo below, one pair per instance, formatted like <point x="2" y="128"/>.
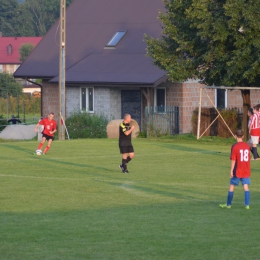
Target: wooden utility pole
<point x="62" y="75"/>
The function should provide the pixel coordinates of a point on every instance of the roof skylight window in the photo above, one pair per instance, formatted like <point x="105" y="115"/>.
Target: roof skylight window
<point x="116" y="38"/>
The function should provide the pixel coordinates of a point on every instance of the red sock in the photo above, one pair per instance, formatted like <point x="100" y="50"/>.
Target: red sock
<point x="46" y="149"/>
<point x="40" y="146"/>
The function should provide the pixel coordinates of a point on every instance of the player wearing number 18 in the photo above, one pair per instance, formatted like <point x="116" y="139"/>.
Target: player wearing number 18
<point x="240" y="169"/>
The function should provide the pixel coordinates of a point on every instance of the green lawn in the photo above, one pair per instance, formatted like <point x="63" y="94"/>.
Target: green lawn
<point x="75" y="203"/>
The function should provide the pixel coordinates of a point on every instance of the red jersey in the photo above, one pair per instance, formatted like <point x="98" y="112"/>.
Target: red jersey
<point x="240" y="152"/>
<point x="49" y="126"/>
<point x="255" y="130"/>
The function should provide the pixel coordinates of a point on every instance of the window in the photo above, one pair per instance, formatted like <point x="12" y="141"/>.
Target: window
<point x="87" y="99"/>
<point x="1" y="68"/>
<point x="116" y="38"/>
<point x="160" y="99"/>
<point x="221" y="98"/>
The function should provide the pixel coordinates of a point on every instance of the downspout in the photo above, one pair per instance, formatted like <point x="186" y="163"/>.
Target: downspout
<point x="41" y="90"/>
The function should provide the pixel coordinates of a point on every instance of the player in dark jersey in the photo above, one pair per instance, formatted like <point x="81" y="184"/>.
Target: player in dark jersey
<point x="125" y="142"/>
<point x="240" y="169"/>
<point x="48" y="131"/>
<point x="14" y="120"/>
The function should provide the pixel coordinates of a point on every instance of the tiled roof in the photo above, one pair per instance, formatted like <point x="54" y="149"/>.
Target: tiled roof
<point x="90" y="26"/>
<point x="9" y="48"/>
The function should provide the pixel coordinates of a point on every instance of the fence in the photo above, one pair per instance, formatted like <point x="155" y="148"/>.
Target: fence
<point x="233" y="117"/>
<point x="26" y="109"/>
<point x="24" y="121"/>
<point x="162" y="120"/>
<point x="20" y="106"/>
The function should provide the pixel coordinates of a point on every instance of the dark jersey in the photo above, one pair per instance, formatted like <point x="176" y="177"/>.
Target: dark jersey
<point x="124" y="140"/>
<point x="14" y="120"/>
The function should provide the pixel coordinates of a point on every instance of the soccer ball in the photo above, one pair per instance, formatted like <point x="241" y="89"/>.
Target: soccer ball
<point x="38" y="152"/>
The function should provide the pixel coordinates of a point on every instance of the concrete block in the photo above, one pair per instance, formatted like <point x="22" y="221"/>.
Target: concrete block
<point x="113" y="128"/>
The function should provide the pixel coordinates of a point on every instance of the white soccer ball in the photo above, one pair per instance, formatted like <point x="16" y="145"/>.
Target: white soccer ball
<point x="38" y="152"/>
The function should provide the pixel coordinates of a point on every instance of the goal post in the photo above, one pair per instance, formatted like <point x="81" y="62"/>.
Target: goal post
<point x="204" y="88"/>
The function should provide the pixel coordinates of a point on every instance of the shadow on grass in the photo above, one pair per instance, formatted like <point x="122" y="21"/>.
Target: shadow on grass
<point x="17" y="148"/>
<point x="192" y="149"/>
<point x="80" y="165"/>
<point x="191" y="230"/>
<point x="175" y="192"/>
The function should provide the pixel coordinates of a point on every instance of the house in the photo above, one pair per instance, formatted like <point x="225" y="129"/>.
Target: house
<point x="107" y="69"/>
<point x="32" y="90"/>
<point x="10" y="55"/>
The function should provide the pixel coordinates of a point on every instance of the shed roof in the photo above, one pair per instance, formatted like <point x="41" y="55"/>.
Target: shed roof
<point x="90" y="26"/>
<point x="11" y="55"/>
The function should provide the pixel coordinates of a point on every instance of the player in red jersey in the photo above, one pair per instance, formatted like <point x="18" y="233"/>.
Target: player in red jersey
<point x="240" y="169"/>
<point x="48" y="131"/>
<point x="254" y="130"/>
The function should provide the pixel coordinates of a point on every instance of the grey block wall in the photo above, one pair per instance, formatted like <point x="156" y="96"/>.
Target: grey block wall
<point x="107" y="101"/>
<point x="115" y="103"/>
<point x="72" y="100"/>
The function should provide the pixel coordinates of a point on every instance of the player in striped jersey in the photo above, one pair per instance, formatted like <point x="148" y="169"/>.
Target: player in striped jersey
<point x="254" y="130"/>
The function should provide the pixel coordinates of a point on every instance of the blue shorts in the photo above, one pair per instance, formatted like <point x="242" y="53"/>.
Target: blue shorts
<point x="235" y="181"/>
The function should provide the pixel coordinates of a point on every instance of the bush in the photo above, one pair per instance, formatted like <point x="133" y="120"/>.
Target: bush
<point x="84" y="125"/>
<point x="3" y="123"/>
<point x="142" y="134"/>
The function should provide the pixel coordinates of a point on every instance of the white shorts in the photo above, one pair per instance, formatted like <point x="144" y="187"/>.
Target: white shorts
<point x="254" y="139"/>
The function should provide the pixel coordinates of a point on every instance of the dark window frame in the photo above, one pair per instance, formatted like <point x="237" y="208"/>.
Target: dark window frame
<point x="87" y="104"/>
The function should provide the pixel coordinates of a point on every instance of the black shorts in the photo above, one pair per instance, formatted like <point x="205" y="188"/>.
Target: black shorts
<point x="126" y="149"/>
<point x="48" y="137"/>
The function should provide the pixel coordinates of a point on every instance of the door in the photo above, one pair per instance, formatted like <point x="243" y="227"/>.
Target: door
<point x="131" y="104"/>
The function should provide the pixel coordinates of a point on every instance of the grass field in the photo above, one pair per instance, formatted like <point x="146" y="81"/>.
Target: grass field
<point x="75" y="203"/>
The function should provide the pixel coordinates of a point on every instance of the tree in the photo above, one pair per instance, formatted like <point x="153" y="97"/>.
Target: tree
<point x="9" y="86"/>
<point x="25" y="50"/>
<point x="43" y="14"/>
<point x="29" y="17"/>
<point x="8" y="10"/>
<point x="24" y="25"/>
<point x="216" y="41"/>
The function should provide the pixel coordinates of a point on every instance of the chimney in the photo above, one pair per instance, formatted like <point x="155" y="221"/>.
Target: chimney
<point x="1" y="34"/>
<point x="9" y="49"/>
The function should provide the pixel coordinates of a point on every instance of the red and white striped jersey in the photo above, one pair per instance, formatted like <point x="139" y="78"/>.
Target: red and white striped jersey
<point x="254" y="121"/>
<point x="254" y="126"/>
<point x="258" y="114"/>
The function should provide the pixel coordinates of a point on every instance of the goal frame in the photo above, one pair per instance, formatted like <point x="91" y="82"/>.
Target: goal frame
<point x="204" y="87"/>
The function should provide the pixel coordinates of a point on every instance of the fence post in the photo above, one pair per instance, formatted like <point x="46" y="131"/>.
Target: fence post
<point x="18" y="105"/>
<point x="23" y="111"/>
<point x="177" y="123"/>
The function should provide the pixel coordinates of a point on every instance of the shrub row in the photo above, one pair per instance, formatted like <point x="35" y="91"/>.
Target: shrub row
<point x="29" y="104"/>
<point x="85" y="125"/>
